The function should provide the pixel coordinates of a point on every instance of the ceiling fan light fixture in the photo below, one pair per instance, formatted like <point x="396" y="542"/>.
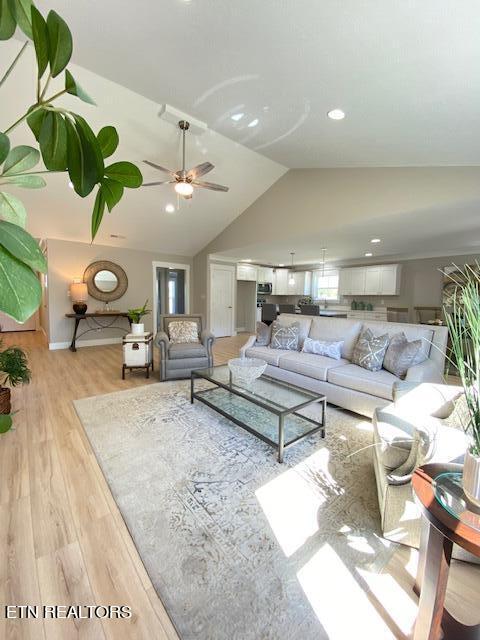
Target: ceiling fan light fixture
<point x="184" y="188"/>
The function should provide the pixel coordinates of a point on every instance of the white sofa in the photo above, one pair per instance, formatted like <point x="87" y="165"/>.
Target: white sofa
<point x="346" y="384"/>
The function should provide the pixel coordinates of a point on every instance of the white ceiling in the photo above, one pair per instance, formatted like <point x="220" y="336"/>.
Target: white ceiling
<point x="406" y="73"/>
<point x="407" y="235"/>
<point x="56" y="212"/>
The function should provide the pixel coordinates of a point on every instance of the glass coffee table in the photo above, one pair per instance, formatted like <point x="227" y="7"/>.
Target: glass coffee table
<point x="267" y="408"/>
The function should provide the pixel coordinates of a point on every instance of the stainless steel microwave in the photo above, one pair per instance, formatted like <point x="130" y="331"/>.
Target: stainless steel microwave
<point x="264" y="288"/>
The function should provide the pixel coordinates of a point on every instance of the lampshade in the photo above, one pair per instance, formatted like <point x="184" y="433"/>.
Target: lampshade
<point x="78" y="292"/>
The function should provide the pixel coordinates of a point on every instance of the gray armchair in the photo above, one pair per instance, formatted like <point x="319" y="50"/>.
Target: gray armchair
<point x="178" y="360"/>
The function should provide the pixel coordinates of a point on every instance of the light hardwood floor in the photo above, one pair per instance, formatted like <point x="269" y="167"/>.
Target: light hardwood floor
<point x="62" y="537"/>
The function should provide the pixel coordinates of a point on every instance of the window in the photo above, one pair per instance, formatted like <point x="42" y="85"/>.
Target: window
<point x="325" y="284"/>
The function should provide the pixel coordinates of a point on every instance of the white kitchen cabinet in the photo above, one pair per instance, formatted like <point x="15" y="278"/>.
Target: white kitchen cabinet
<point x="375" y="280"/>
<point x="357" y="281"/>
<point x="368" y="315"/>
<point x="246" y="272"/>
<point x="303" y="283"/>
<point x="280" y="282"/>
<point x="264" y="274"/>
<point x="391" y="277"/>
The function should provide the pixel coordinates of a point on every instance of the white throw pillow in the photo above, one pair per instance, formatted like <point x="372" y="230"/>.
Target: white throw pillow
<point x="328" y="348"/>
<point x="182" y="331"/>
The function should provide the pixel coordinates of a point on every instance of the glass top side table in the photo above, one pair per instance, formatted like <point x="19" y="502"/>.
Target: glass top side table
<point x="449" y="493"/>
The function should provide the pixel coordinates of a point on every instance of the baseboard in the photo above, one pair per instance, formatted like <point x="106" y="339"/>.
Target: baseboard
<point x="53" y="346"/>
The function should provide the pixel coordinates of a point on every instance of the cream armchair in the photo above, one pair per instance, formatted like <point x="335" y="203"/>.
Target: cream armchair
<point x="423" y="424"/>
<point x="178" y="360"/>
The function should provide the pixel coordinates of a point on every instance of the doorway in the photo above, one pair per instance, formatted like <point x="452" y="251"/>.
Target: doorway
<point x="222" y="300"/>
<point x="171" y="290"/>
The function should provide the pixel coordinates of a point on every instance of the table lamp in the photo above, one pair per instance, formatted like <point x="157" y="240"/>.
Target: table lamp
<point x="79" y="297"/>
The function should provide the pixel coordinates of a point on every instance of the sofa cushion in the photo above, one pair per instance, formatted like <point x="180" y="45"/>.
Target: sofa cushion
<point x="264" y="332"/>
<point x="271" y="356"/>
<point x="284" y="336"/>
<point x="309" y="364"/>
<point x="369" y="351"/>
<point x="402" y="354"/>
<point x="377" y="383"/>
<point x="335" y="329"/>
<point x="183" y="350"/>
<point x="411" y="331"/>
<point x="329" y="348"/>
<point x="304" y="323"/>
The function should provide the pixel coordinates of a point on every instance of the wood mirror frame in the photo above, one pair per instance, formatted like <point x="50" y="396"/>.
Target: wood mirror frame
<point x="105" y="265"/>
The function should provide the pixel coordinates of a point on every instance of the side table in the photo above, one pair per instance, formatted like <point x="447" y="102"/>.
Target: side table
<point x="440" y="531"/>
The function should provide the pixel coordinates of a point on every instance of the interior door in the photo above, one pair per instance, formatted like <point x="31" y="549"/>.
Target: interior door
<point x="222" y="285"/>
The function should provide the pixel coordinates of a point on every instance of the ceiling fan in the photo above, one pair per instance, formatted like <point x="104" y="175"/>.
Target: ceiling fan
<point x="184" y="180"/>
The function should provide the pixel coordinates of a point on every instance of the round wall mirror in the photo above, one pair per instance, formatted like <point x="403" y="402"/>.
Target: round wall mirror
<point x="106" y="281"/>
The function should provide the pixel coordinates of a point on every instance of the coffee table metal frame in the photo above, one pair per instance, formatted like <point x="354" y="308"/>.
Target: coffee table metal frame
<point x="280" y="411"/>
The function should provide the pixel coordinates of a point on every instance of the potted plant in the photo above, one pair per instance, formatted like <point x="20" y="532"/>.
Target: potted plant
<point x="13" y="371"/>
<point x="463" y="322"/>
<point x="135" y="316"/>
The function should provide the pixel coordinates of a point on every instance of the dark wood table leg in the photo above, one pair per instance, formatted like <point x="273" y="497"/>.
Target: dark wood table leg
<point x="438" y="552"/>
<point x="72" y="345"/>
<point x="191" y="387"/>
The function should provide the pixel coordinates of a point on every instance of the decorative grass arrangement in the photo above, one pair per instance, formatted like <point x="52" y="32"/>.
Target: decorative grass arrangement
<point x="463" y="322"/>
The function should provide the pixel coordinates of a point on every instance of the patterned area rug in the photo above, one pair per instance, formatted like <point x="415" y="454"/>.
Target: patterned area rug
<point x="237" y="545"/>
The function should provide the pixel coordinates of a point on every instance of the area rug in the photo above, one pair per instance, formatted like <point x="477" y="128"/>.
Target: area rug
<point x="237" y="545"/>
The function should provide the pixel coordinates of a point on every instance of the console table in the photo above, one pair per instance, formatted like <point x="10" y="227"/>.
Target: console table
<point x="94" y="324"/>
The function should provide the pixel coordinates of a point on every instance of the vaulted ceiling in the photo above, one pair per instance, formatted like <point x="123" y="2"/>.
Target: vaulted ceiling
<point x="405" y="73"/>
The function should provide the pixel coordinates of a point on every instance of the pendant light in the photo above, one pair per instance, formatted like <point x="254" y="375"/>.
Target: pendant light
<point x="291" y="279"/>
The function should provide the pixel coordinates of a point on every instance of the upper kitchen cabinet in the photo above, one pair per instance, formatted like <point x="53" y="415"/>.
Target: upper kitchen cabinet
<point x="302" y="285"/>
<point x="376" y="280"/>
<point x="280" y="282"/>
<point x="265" y="274"/>
<point x="246" y="272"/>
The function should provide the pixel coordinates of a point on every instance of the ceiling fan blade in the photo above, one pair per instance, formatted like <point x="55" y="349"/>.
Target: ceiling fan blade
<point x="209" y="185"/>
<point x="154" y="184"/>
<point x="200" y="170"/>
<point x="157" y="166"/>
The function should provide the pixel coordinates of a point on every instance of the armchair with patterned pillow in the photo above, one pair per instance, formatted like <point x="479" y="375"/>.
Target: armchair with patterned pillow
<point x="184" y="345"/>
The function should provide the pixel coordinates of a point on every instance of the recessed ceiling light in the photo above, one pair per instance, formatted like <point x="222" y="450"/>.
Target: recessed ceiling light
<point x="70" y="184"/>
<point x="170" y="208"/>
<point x="336" y="114"/>
<point x="253" y="123"/>
<point x="368" y="254"/>
<point x="237" y="116"/>
<point x="375" y="240"/>
<point x="247" y="260"/>
<point x="280" y="264"/>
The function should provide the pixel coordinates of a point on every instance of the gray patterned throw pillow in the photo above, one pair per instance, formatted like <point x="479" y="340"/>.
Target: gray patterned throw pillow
<point x="328" y="348"/>
<point x="369" y="351"/>
<point x="285" y="336"/>
<point x="263" y="334"/>
<point x="402" y="354"/>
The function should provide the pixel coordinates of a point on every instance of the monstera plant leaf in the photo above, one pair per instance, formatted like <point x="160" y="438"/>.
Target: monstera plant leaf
<point x="64" y="141"/>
